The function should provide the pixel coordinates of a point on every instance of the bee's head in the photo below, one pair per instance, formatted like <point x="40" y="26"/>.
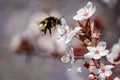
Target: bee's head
<point x="59" y="22"/>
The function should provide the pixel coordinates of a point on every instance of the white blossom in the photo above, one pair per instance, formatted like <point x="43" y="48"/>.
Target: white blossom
<point x="69" y="57"/>
<point x="79" y="70"/>
<point x="65" y="34"/>
<point x="114" y="54"/>
<point x="97" y="52"/>
<point x="116" y="78"/>
<point x="105" y="71"/>
<point x="91" y="76"/>
<point x="85" y="12"/>
<point x="65" y="58"/>
<point x="101" y="45"/>
<point x="69" y="69"/>
<point x="72" y="34"/>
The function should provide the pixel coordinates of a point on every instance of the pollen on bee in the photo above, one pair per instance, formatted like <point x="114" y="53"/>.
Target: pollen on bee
<point x="42" y="27"/>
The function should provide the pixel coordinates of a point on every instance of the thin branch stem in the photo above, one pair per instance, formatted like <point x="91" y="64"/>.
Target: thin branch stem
<point x="79" y="57"/>
<point x="94" y="63"/>
<point x="80" y="24"/>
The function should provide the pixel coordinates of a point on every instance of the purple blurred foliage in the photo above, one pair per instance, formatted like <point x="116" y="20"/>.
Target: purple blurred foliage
<point x="16" y="17"/>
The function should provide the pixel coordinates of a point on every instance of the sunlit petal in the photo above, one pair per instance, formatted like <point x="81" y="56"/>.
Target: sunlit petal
<point x="96" y="56"/>
<point x="85" y="12"/>
<point x="101" y="46"/>
<point x="102" y="76"/>
<point x="108" y="73"/>
<point x="89" y="55"/>
<point x="72" y="34"/>
<point x="108" y="67"/>
<point x="104" y="52"/>
<point x="92" y="49"/>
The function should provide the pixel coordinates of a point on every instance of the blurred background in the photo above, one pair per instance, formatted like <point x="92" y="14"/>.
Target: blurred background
<point x="19" y="33"/>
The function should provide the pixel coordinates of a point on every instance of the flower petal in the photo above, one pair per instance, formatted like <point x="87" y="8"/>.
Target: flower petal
<point x="59" y="29"/>
<point x="61" y="37"/>
<point x="81" y="11"/>
<point x="104" y="52"/>
<point x="70" y="51"/>
<point x="102" y="76"/>
<point x="65" y="58"/>
<point x="89" y="9"/>
<point x="91" y="12"/>
<point x="108" y="73"/>
<point x="64" y="23"/>
<point x="72" y="56"/>
<point x="79" y="70"/>
<point x="96" y="56"/>
<point x="101" y="46"/>
<point x="110" y="57"/>
<point x="116" y="78"/>
<point x="79" y="17"/>
<point x="64" y="28"/>
<point x="89" y="55"/>
<point x="72" y="34"/>
<point x="89" y="5"/>
<point x="91" y="49"/>
<point x="116" y="48"/>
<point x="108" y="67"/>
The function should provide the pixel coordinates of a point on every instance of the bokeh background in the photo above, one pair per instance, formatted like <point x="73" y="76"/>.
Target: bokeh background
<point x="18" y="25"/>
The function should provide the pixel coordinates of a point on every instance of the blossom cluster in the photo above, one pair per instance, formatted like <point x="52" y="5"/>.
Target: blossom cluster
<point x="88" y="33"/>
<point x="94" y="51"/>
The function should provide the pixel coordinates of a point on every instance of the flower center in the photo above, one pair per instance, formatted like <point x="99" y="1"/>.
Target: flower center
<point x="65" y="31"/>
<point x="86" y="14"/>
<point x="103" y="70"/>
<point x="96" y="35"/>
<point x="96" y="52"/>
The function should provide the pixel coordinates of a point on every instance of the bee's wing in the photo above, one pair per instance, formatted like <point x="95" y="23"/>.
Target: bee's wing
<point x="38" y="17"/>
<point x="55" y="13"/>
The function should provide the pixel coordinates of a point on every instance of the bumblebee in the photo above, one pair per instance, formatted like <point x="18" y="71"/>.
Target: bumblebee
<point x="48" y="23"/>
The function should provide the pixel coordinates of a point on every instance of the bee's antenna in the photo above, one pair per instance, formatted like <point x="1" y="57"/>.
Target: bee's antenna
<point x="61" y="17"/>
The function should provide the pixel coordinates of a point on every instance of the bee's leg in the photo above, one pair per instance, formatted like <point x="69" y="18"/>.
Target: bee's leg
<point x="50" y="31"/>
<point x="45" y="31"/>
<point x="54" y="28"/>
<point x="53" y="25"/>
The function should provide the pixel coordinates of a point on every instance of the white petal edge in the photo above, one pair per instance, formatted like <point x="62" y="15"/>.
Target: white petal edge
<point x="102" y="76"/>
<point x="104" y="52"/>
<point x="78" y="17"/>
<point x="65" y="58"/>
<point x="108" y="67"/>
<point x="91" y="49"/>
<point x="72" y="34"/>
<point x="89" y="55"/>
<point x="96" y="56"/>
<point x="72" y="56"/>
<point x="79" y="70"/>
<point x="116" y="78"/>
<point x="101" y="45"/>
<point x="108" y="73"/>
